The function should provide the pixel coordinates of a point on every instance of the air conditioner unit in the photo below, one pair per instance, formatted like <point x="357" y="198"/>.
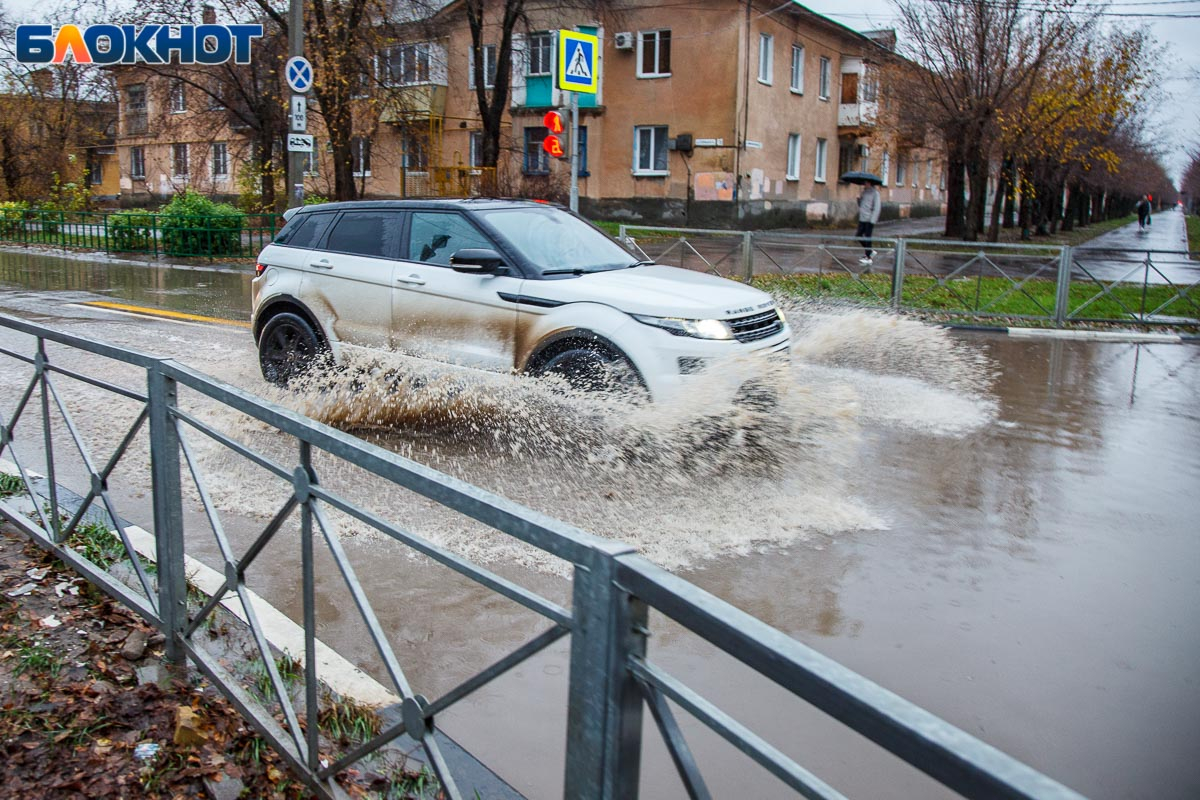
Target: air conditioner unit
<point x="623" y="41"/>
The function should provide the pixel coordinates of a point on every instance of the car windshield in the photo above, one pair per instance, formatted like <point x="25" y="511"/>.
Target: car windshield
<point x="558" y="242"/>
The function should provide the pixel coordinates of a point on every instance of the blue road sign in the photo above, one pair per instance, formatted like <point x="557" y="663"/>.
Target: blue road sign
<point x="299" y="74"/>
<point x="577" y="62"/>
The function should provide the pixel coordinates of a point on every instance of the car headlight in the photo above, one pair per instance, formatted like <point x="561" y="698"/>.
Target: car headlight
<point x="696" y="328"/>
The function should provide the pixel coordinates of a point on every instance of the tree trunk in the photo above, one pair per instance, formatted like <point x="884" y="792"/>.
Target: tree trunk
<point x="999" y="201"/>
<point x="977" y="176"/>
<point x="956" y="189"/>
<point x="1010" y="199"/>
<point x="1071" y="210"/>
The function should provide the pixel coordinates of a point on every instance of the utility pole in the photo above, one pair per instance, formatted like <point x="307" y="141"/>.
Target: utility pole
<point x="574" y="202"/>
<point x="297" y="123"/>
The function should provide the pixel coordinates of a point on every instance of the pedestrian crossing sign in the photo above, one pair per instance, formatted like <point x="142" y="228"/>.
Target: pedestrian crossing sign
<point x="577" y="57"/>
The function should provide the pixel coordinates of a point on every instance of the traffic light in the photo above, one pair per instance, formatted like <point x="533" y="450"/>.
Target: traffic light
<point x="558" y="138"/>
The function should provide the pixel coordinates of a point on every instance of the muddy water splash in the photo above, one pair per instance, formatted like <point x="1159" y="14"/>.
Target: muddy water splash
<point x="704" y="476"/>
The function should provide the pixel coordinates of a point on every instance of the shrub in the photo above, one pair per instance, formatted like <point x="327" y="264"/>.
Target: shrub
<point x="12" y="217"/>
<point x="193" y="225"/>
<point x="131" y="231"/>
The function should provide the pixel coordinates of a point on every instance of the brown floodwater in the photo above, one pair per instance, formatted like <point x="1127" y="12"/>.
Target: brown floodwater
<point x="1003" y="532"/>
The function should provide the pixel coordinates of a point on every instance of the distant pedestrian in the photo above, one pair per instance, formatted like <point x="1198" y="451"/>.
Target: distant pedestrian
<point x="869" y="204"/>
<point x="1143" y="212"/>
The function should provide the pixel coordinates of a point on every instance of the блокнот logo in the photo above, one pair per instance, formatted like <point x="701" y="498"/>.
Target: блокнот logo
<point x="130" y="44"/>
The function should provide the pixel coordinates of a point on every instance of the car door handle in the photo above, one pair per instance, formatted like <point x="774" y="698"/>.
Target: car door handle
<point x="414" y="279"/>
<point x="321" y="264"/>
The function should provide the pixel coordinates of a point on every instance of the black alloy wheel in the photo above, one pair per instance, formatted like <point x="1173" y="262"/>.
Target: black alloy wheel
<point x="288" y="348"/>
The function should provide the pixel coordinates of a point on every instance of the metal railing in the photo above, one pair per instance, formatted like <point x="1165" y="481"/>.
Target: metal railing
<point x="142" y="232"/>
<point x="1043" y="284"/>
<point x="612" y="674"/>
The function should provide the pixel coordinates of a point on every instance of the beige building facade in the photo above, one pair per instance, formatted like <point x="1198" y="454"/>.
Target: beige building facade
<point x="731" y="114"/>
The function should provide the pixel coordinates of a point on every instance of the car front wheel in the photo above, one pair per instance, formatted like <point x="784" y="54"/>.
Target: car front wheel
<point x="288" y="348"/>
<point x="594" y="368"/>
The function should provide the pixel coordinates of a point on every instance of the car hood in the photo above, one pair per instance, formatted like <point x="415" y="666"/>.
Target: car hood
<point x="658" y="291"/>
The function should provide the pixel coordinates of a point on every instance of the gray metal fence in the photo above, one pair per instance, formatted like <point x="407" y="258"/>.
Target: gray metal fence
<point x="1040" y="284"/>
<point x="613" y="676"/>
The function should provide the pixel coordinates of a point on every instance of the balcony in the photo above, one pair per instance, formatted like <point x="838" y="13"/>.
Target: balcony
<point x="422" y="100"/>
<point x="857" y="115"/>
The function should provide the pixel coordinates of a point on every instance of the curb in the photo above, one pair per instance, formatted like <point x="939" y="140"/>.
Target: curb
<point x="1135" y="337"/>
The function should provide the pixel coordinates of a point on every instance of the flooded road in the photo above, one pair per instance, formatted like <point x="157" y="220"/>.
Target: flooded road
<point x="1003" y="532"/>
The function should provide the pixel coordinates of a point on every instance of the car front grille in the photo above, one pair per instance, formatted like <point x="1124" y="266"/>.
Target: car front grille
<point x="753" y="327"/>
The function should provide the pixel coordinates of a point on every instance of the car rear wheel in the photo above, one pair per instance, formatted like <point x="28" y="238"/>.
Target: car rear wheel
<point x="288" y="348"/>
<point x="594" y="368"/>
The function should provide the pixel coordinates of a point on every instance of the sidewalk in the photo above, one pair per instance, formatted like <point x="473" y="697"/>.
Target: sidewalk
<point x="1167" y="231"/>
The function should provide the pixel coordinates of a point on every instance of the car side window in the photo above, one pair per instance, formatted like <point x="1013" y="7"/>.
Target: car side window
<point x="434" y="236"/>
<point x="304" y="231"/>
<point x="367" y="233"/>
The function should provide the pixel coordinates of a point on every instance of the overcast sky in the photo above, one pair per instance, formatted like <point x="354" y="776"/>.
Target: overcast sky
<point x="1175" y="23"/>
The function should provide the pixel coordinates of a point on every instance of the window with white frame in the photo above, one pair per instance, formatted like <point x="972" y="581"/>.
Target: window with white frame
<point x="650" y="150"/>
<point x="475" y="149"/>
<point x="311" y="163"/>
<point x="219" y="160"/>
<point x="360" y="156"/>
<point x="793" y="157"/>
<point x="489" y="66"/>
<point x="541" y="51"/>
<point x="929" y="174"/>
<point x="885" y="167"/>
<point x="654" y="54"/>
<point x="798" y="68"/>
<point x="415" y="156"/>
<point x="178" y="99"/>
<point x="914" y="173"/>
<point x="404" y="65"/>
<point x="179" y="160"/>
<point x="823" y="86"/>
<point x="766" y="57"/>
<point x="901" y="170"/>
<point x="136" y="98"/>
<point x="822" y="155"/>
<point x="137" y="162"/>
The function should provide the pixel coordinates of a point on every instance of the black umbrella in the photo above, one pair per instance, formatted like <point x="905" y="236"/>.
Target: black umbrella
<point x="861" y="177"/>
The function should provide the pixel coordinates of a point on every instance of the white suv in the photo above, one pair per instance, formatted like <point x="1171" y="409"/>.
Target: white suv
<point x="504" y="285"/>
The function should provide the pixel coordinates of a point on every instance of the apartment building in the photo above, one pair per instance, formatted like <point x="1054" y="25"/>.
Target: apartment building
<point x="733" y="113"/>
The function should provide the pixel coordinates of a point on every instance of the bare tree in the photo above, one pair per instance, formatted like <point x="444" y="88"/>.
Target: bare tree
<point x="975" y="57"/>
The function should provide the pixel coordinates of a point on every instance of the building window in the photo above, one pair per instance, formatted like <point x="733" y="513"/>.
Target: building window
<point x="766" y="57"/>
<point x="650" y="150"/>
<point x="136" y="98"/>
<point x="311" y="163"/>
<point x="537" y="160"/>
<point x="845" y="157"/>
<point x="475" y="149"/>
<point x="654" y="54"/>
<point x="914" y="173"/>
<point x="869" y="91"/>
<point x="901" y="173"/>
<point x="541" y="50"/>
<point x="798" y="69"/>
<point x="415" y="156"/>
<point x="179" y="160"/>
<point x="404" y="65"/>
<point x="822" y="154"/>
<point x="95" y="169"/>
<point x="178" y="97"/>
<point x="823" y="88"/>
<point x="220" y="160"/>
<point x="929" y="174"/>
<point x="885" y="167"/>
<point x="489" y="66"/>
<point x="360" y="156"/>
<point x="793" y="157"/>
<point x="137" y="162"/>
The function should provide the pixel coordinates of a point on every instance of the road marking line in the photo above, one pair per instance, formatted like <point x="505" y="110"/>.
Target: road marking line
<point x="1095" y="336"/>
<point x="162" y="313"/>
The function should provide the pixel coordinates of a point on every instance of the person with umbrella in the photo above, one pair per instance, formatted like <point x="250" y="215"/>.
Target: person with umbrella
<point x="869" y="206"/>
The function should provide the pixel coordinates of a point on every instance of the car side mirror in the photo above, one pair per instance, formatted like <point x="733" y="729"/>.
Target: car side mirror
<point x="472" y="259"/>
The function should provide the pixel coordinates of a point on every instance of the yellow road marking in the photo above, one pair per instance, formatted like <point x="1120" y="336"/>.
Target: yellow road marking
<point x="162" y="312"/>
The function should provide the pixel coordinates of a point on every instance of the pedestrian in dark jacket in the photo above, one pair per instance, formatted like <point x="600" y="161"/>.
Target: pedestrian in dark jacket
<point x="1143" y="212"/>
<point x="869" y="204"/>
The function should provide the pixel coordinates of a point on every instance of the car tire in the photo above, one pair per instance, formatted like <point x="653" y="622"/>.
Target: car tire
<point x="289" y="348"/>
<point x="592" y="367"/>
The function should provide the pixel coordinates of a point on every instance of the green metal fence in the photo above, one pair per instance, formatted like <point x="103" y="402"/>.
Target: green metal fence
<point x="143" y="232"/>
